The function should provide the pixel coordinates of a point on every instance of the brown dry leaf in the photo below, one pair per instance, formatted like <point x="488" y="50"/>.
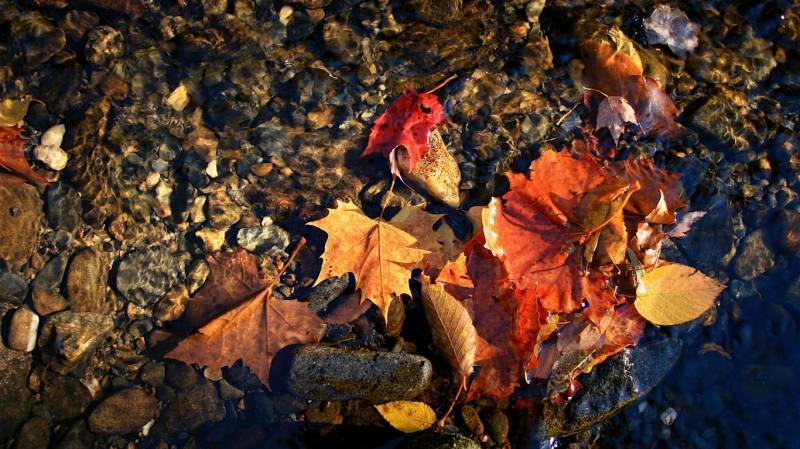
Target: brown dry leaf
<point x="451" y="327"/>
<point x="674" y="294"/>
<point x="234" y="277"/>
<point x="254" y="331"/>
<point x="655" y="185"/>
<point x="407" y="416"/>
<point x="12" y="112"/>
<point x="13" y="161"/>
<point x="380" y="255"/>
<point x="613" y="113"/>
<point x="441" y="243"/>
<point x="437" y="171"/>
<point x="660" y="213"/>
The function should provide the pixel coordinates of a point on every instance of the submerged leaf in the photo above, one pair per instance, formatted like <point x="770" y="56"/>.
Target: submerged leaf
<point x="451" y="327"/>
<point x="407" y="416"/>
<point x="674" y="294"/>
<point x="613" y="113"/>
<point x="12" y="112"/>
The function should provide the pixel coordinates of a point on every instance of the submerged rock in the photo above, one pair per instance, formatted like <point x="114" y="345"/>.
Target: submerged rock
<point x="74" y="335"/>
<point x="34" y="434"/>
<point x="144" y="276"/>
<point x="337" y="374"/>
<point x="13" y="288"/>
<point x="435" y="440"/>
<point x="754" y="256"/>
<point x="261" y="239"/>
<point x="123" y="412"/>
<point x="20" y="221"/>
<point x="65" y="397"/>
<point x="87" y="280"/>
<point x="23" y="330"/>
<point x="14" y="393"/>
<point x="190" y="409"/>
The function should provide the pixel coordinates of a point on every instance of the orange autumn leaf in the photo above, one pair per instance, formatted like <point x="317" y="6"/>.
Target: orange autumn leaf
<point x="380" y="255"/>
<point x="14" y="167"/>
<point x="660" y="193"/>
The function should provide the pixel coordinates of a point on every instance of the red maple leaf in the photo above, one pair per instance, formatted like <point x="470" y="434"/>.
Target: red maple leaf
<point x="407" y="123"/>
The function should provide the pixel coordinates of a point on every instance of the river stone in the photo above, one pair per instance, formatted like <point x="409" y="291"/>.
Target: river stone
<point x="144" y="276"/>
<point x="222" y="211"/>
<point x="191" y="408"/>
<point x="34" y="434"/>
<point x="710" y="245"/>
<point x="63" y="207"/>
<point x="326" y="291"/>
<point x="13" y="288"/>
<point x="260" y="239"/>
<point x="331" y="374"/>
<point x="754" y="256"/>
<point x="51" y="275"/>
<point x="123" y="412"/>
<point x="15" y="397"/>
<point x="610" y="387"/>
<point x="74" y="335"/>
<point x="20" y="221"/>
<point x="23" y="330"/>
<point x="46" y="302"/>
<point x="87" y="278"/>
<point x="65" y="397"/>
<point x="435" y="440"/>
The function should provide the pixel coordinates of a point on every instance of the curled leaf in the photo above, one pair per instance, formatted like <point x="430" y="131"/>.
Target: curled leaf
<point x="674" y="294"/>
<point x="613" y="113"/>
<point x="451" y="327"/>
<point x="437" y="171"/>
<point x="407" y="416"/>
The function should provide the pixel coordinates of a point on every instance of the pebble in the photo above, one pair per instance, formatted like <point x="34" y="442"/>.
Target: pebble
<point x="53" y="157"/>
<point x="472" y="421"/>
<point x="668" y="416"/>
<point x="261" y="239"/>
<point x="180" y="375"/>
<point x="46" y="302"/>
<point x="144" y="276"/>
<point x="65" y="397"/>
<point x="153" y="373"/>
<point x="104" y="44"/>
<point x="15" y="396"/>
<point x="23" y="330"/>
<point x="754" y="256"/>
<point x="172" y="305"/>
<point x="63" y="207"/>
<point x="13" y="288"/>
<point x="74" y="335"/>
<point x="123" y="412"/>
<point x="212" y="238"/>
<point x="54" y="136"/>
<point x="221" y="210"/>
<point x="34" y="434"/>
<point x="497" y="426"/>
<point x="228" y="392"/>
<point x="20" y="222"/>
<point x="198" y="273"/>
<point x="325" y="373"/>
<point x="87" y="280"/>
<point x="190" y="409"/>
<point x="179" y="98"/>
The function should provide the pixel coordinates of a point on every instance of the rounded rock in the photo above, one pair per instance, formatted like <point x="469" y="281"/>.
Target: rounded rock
<point x="23" y="330"/>
<point x="123" y="412"/>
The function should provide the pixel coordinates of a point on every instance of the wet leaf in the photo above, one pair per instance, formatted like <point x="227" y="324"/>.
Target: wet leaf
<point x="655" y="185"/>
<point x="14" y="167"/>
<point x="451" y="327"/>
<point x="670" y="26"/>
<point x="674" y="294"/>
<point x="12" y="112"/>
<point x="685" y="223"/>
<point x="437" y="171"/>
<point x="380" y="255"/>
<point x="433" y="234"/>
<point x="613" y="113"/>
<point x="254" y="331"/>
<point x="407" y="416"/>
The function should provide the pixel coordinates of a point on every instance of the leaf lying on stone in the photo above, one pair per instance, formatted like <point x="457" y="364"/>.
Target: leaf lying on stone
<point x="14" y="167"/>
<point x="685" y="223"/>
<point x="674" y="294"/>
<point x="407" y="416"/>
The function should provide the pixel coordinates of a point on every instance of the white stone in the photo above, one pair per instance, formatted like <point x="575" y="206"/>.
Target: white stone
<point x="54" y="136"/>
<point x="211" y="169"/>
<point x="23" y="330"/>
<point x="53" y="157"/>
<point x="284" y="14"/>
<point x="179" y="98"/>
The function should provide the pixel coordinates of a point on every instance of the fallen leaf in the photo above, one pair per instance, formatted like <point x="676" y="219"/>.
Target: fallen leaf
<point x="613" y="113"/>
<point x="234" y="278"/>
<point x="673" y="294"/>
<point x="685" y="223"/>
<point x="13" y="161"/>
<point x="451" y="327"/>
<point x="671" y="27"/>
<point x="407" y="122"/>
<point x="439" y="241"/>
<point x="655" y="185"/>
<point x="660" y="213"/>
<point x="12" y="112"/>
<point x="380" y="255"/>
<point x="437" y="171"/>
<point x="407" y="416"/>
<point x="254" y="332"/>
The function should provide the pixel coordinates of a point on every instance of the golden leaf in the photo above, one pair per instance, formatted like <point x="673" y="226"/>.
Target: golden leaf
<point x="437" y="172"/>
<point x="451" y="327"/>
<point x="441" y="243"/>
<point x="407" y="416"/>
<point x="674" y="294"/>
<point x="12" y="112"/>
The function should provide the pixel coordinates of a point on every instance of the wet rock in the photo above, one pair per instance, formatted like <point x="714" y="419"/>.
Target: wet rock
<point x="34" y="434"/>
<point x="212" y="238"/>
<point x="338" y="374"/>
<point x="123" y="412"/>
<point x="103" y="45"/>
<point x="65" y="397"/>
<point x="198" y="273"/>
<point x="53" y="157"/>
<point x="787" y="231"/>
<point x="754" y="256"/>
<point x="152" y="373"/>
<point x="497" y="426"/>
<point x="721" y="119"/>
<point x="180" y="375"/>
<point x="222" y="211"/>
<point x="74" y="335"/>
<point x="179" y="98"/>
<point x="261" y="239"/>
<point x="20" y="221"/>
<point x="87" y="278"/>
<point x="710" y="245"/>
<point x="54" y="136"/>
<point x="326" y="291"/>
<point x="13" y="288"/>
<point x="611" y="386"/>
<point x="144" y="276"/>
<point x="437" y="12"/>
<point x="342" y="41"/>
<point x="63" y="207"/>
<point x="46" y="302"/>
<point x="14" y="393"/>
<point x="434" y="440"/>
<point x="77" y="23"/>
<point x="173" y="304"/>
<point x="471" y="420"/>
<point x="191" y="409"/>
<point x="23" y="330"/>
<point x="228" y="392"/>
<point x="36" y="39"/>
<point x="326" y="412"/>
<point x="78" y="437"/>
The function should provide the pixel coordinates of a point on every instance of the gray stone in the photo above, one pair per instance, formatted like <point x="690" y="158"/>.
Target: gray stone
<point x="123" y="412"/>
<point x="51" y="274"/>
<point x="338" y="374"/>
<point x="20" y="222"/>
<point x="754" y="256"/>
<point x="13" y="288"/>
<point x="65" y="397"/>
<point x="63" y="207"/>
<point x="326" y="291"/>
<point x="144" y="276"/>
<point x="260" y="239"/>
<point x="610" y="387"/>
<point x="435" y="440"/>
<point x="74" y="335"/>
<point x="34" y="434"/>
<point x="23" y="330"/>
<point x="15" y="396"/>
<point x="191" y="409"/>
<point x="87" y="280"/>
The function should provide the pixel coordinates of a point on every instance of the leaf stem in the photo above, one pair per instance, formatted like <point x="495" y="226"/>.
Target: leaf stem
<point x="461" y="387"/>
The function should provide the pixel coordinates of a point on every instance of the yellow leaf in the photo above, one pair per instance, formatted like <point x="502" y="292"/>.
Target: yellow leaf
<point x="12" y="112"/>
<point x="451" y="327"/>
<point x="407" y="416"/>
<point x="674" y="294"/>
<point x="380" y="255"/>
<point x="441" y="243"/>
